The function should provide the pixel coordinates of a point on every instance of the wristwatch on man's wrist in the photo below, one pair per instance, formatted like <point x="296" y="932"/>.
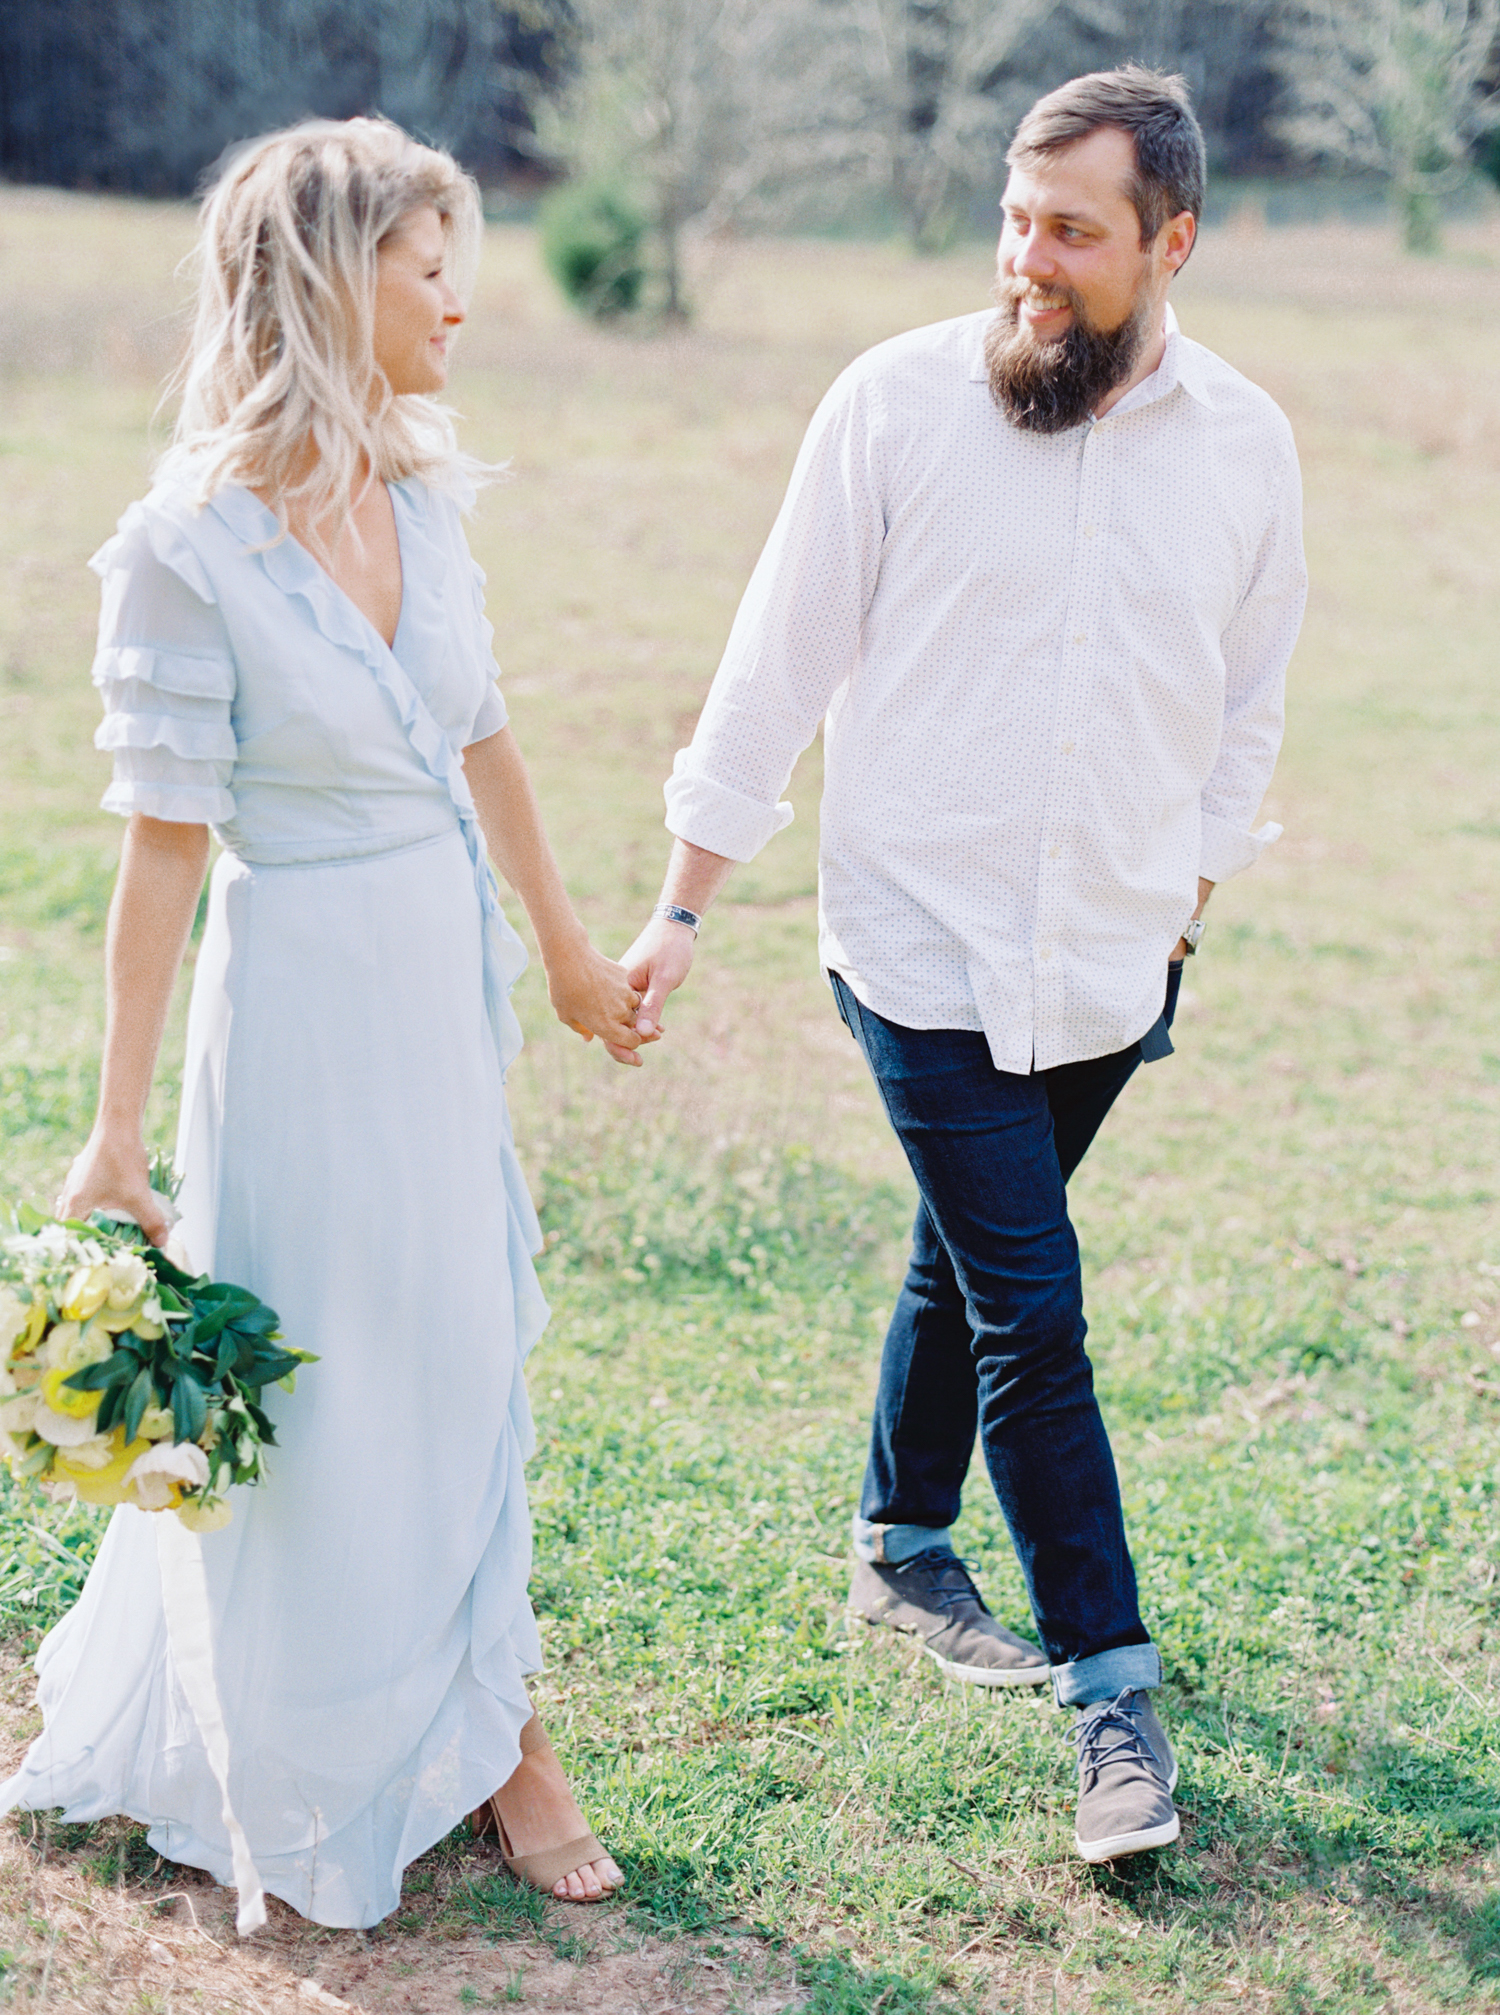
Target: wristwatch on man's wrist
<point x="1192" y="935"/>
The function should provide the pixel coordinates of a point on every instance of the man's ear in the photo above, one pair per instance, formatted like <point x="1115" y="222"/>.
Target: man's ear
<point x="1177" y="240"/>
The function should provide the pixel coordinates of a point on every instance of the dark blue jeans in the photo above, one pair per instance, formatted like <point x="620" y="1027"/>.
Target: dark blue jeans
<point x="988" y="1335"/>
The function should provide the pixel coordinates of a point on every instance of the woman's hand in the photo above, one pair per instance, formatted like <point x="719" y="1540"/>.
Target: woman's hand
<point x="114" y="1174"/>
<point x="591" y="994"/>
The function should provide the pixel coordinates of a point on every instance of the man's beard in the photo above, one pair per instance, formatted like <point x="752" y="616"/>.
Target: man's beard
<point x="1047" y="387"/>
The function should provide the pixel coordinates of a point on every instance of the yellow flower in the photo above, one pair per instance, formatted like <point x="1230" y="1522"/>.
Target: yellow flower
<point x="67" y="1398"/>
<point x="106" y="1484"/>
<point x="205" y="1515"/>
<point x="86" y="1292"/>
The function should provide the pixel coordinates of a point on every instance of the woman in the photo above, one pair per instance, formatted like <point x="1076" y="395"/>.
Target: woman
<point x="293" y="654"/>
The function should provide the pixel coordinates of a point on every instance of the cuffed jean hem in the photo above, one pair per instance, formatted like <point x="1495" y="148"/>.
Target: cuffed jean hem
<point x="1106" y="1674"/>
<point x="889" y="1545"/>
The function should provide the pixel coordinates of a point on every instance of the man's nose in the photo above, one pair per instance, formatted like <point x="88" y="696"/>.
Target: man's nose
<point x="1030" y="258"/>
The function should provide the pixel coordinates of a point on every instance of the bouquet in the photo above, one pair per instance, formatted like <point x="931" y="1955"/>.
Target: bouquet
<point x="124" y="1379"/>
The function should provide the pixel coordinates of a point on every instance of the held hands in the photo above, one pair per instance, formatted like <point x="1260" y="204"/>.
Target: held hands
<point x="113" y="1173"/>
<point x="657" y="964"/>
<point x="593" y="996"/>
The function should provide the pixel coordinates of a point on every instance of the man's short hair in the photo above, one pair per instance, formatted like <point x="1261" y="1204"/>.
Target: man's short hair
<point x="1154" y="109"/>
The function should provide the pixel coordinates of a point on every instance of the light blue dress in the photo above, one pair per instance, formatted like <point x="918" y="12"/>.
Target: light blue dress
<point x="347" y="1155"/>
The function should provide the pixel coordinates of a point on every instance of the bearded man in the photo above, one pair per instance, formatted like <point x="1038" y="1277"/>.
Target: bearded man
<point x="1042" y="570"/>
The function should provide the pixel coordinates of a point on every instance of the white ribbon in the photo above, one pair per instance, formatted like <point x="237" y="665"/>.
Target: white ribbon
<point x="184" y="1597"/>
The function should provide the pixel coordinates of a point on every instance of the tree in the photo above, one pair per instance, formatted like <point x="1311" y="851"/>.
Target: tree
<point x="707" y="112"/>
<point x="1393" y="86"/>
<point x="942" y="95"/>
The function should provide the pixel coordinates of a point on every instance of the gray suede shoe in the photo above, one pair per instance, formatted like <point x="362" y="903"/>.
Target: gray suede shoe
<point x="932" y="1597"/>
<point x="1126" y="1774"/>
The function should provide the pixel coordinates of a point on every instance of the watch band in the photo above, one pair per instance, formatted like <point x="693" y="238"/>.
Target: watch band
<point x="1192" y="935"/>
<point x="674" y="913"/>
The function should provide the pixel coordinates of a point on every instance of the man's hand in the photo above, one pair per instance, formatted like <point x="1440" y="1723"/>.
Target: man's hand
<point x="1205" y="890"/>
<point x="656" y="965"/>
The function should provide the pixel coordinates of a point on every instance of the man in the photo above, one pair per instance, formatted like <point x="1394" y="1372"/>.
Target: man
<point x="1042" y="570"/>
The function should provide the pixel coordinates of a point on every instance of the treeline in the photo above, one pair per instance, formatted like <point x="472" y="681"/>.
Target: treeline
<point x="144" y="95"/>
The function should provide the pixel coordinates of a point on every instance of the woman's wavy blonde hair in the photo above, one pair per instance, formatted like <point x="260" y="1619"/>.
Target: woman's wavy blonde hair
<point x="282" y="352"/>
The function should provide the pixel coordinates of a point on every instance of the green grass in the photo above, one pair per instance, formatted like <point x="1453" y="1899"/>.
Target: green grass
<point x="1290" y="1230"/>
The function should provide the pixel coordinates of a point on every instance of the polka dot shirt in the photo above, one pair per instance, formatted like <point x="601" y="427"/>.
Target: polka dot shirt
<point x="1052" y="668"/>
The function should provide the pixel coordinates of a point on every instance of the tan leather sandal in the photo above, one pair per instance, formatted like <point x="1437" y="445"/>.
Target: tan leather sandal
<point x="542" y="1870"/>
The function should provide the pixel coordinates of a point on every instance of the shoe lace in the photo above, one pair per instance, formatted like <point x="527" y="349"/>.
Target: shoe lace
<point x="1112" y="1735"/>
<point x="953" y="1577"/>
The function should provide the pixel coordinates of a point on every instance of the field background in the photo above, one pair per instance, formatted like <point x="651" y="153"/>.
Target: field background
<point x="1290" y="1229"/>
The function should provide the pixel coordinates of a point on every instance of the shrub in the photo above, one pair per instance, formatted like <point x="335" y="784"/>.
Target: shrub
<point x="591" y="240"/>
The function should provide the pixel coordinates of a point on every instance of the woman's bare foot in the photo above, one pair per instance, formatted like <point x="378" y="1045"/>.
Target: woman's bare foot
<point x="539" y="1812"/>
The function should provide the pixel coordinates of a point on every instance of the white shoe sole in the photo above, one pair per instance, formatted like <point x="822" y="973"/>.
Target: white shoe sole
<point x="1120" y="1844"/>
<point x="990" y="1675"/>
<point x="967" y="1675"/>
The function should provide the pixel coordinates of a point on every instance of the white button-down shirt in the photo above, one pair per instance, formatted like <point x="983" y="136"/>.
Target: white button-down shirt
<point x="1052" y="668"/>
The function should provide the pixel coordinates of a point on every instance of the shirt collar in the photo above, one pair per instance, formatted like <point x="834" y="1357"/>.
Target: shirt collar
<point x="1181" y="364"/>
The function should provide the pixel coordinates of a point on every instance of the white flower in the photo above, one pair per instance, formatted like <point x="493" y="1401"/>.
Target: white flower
<point x="129" y="1277"/>
<point x="14" y="1316"/>
<point x="156" y="1475"/>
<point x="18" y="1415"/>
<point x="96" y="1453"/>
<point x="70" y="1346"/>
<point x="59" y="1492"/>
<point x="199" y="1515"/>
<point x="63" y="1430"/>
<point x="61" y="1338"/>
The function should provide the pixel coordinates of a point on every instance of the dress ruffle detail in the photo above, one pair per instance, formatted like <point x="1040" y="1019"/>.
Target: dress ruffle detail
<point x="196" y="741"/>
<point x="168" y="542"/>
<point x="298" y="575"/>
<point x="177" y="672"/>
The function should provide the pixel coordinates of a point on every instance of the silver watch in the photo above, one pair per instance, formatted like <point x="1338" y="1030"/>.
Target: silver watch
<point x="1192" y="935"/>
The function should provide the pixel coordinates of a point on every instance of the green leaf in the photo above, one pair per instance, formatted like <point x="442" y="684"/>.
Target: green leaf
<point x="29" y="1219"/>
<point x="110" y="1408"/>
<point x="166" y="1270"/>
<point x="141" y="1395"/>
<point x="117" y="1369"/>
<point x="262" y="1422"/>
<point x="189" y="1409"/>
<point x="209" y="1322"/>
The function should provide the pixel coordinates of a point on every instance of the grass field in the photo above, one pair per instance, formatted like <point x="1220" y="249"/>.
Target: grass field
<point x="1290" y="1229"/>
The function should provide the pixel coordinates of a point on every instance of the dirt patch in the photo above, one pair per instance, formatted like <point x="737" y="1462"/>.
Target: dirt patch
<point x="92" y="1920"/>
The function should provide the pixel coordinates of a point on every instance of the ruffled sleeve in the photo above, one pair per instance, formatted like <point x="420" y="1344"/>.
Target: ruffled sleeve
<point x="165" y="674"/>
<point x="491" y="717"/>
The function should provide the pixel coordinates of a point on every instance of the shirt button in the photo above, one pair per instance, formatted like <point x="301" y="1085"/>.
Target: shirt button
<point x="1080" y="638"/>
<point x="1091" y="531"/>
<point x="1067" y="748"/>
<point x="1045" y="952"/>
<point x="1053" y="852"/>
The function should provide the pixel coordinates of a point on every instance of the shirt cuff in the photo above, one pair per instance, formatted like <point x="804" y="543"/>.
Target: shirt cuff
<point x="720" y="820"/>
<point x="1227" y="849"/>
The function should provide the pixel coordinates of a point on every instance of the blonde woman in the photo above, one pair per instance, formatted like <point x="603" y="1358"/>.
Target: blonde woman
<point x="294" y="657"/>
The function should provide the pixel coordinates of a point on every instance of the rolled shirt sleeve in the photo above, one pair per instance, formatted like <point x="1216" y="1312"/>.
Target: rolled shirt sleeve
<point x="795" y="639"/>
<point x="1257" y="648"/>
<point x="166" y="678"/>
